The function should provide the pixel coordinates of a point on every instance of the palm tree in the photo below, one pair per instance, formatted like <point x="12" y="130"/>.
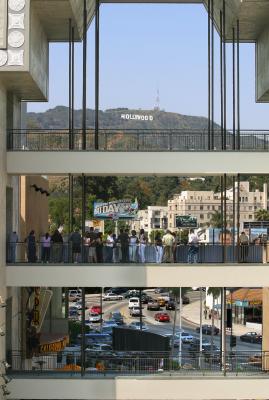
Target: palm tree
<point x="215" y="292"/>
<point x="262" y="215"/>
<point x="216" y="220"/>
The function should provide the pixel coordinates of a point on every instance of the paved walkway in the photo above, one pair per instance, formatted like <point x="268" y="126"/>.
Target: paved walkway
<point x="191" y="313"/>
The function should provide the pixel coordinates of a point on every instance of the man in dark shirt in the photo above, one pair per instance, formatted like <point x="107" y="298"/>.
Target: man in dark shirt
<point x="123" y="239"/>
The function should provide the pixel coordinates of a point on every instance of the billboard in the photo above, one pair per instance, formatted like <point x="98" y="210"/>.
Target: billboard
<point x="118" y="209"/>
<point x="186" y="221"/>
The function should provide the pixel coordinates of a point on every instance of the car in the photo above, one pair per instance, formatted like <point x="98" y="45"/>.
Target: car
<point x="133" y="302"/>
<point x="194" y="347"/>
<point x="94" y="317"/>
<point x="110" y="322"/>
<point x="207" y="330"/>
<point x="136" y="325"/>
<point x="100" y="347"/>
<point x="117" y="317"/>
<point x="132" y="293"/>
<point x="74" y="294"/>
<point x="162" y="317"/>
<point x="159" y="290"/>
<point x="111" y="296"/>
<point x="251" y="337"/>
<point x="145" y="299"/>
<point x="78" y="304"/>
<point x="153" y="305"/>
<point x="161" y="302"/>
<point x="116" y="290"/>
<point x="107" y="329"/>
<point x="186" y="337"/>
<point x="171" y="305"/>
<point x="73" y="313"/>
<point x="185" y="300"/>
<point x="135" y="311"/>
<point x="96" y="309"/>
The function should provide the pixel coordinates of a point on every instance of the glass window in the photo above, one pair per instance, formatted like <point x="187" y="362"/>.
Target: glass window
<point x="201" y="207"/>
<point x="201" y="216"/>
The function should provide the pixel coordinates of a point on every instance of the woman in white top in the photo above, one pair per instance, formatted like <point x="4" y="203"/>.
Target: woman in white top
<point x="109" y="247"/>
<point x="46" y="243"/>
<point x="132" y="246"/>
<point x="142" y="245"/>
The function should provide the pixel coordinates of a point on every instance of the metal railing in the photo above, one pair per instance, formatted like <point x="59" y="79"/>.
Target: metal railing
<point x="203" y="253"/>
<point x="133" y="140"/>
<point x="141" y="363"/>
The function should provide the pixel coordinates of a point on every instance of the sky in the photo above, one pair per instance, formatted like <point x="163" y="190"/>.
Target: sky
<point x="150" y="47"/>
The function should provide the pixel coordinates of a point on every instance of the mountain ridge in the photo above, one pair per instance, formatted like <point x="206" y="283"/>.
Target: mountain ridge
<point x="58" y="117"/>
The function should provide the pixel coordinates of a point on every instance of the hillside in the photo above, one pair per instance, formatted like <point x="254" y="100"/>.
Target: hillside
<point x="57" y="118"/>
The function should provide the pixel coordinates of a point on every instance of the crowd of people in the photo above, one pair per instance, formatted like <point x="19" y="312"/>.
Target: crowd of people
<point x="95" y="247"/>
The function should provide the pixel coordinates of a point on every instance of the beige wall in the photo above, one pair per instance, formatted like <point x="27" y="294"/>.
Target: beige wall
<point x="34" y="207"/>
<point x="265" y="327"/>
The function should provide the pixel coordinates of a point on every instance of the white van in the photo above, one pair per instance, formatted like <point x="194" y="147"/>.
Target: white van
<point x="134" y="302"/>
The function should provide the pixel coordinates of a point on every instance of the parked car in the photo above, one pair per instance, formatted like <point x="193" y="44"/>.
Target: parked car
<point x="251" y="337"/>
<point x="116" y="290"/>
<point x="100" y="347"/>
<point x="111" y="296"/>
<point x="136" y="325"/>
<point x="153" y="306"/>
<point x="94" y="317"/>
<point x="145" y="299"/>
<point x="117" y="317"/>
<point x="96" y="309"/>
<point x="135" y="311"/>
<point x="170" y="305"/>
<point x="185" y="300"/>
<point x="207" y="330"/>
<point x="133" y="302"/>
<point x="162" y="317"/>
<point x="74" y="294"/>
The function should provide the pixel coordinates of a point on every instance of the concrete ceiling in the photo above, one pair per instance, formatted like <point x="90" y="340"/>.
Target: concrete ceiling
<point x="253" y="16"/>
<point x="54" y="16"/>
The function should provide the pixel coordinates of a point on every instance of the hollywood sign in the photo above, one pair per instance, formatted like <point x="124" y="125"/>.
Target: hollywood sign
<point x="137" y="117"/>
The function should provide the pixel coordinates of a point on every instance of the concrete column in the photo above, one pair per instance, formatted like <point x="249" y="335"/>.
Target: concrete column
<point x="265" y="328"/>
<point x="265" y="196"/>
<point x="56" y="303"/>
<point x="262" y="71"/>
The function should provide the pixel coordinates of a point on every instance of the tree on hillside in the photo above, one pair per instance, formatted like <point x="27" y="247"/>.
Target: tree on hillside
<point x="262" y="215"/>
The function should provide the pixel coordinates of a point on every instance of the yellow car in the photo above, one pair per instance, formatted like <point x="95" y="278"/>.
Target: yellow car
<point x="161" y="302"/>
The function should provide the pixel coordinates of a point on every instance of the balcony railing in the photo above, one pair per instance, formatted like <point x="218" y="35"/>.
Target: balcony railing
<point x="133" y="140"/>
<point x="206" y="363"/>
<point x="202" y="254"/>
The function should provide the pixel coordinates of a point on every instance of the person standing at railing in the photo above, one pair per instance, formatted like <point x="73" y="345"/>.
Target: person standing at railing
<point x="46" y="243"/>
<point x="244" y="242"/>
<point x="158" y="248"/>
<point x="99" y="247"/>
<point x="12" y="247"/>
<point x="57" y="246"/>
<point x="142" y="246"/>
<point x="31" y="247"/>
<point x="193" y="242"/>
<point x="109" y="247"/>
<point x="76" y="241"/>
<point x="123" y="240"/>
<point x="133" y="241"/>
<point x="168" y="242"/>
<point x="92" y="245"/>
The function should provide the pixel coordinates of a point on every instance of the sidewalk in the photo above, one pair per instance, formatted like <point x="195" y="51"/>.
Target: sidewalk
<point x="191" y="313"/>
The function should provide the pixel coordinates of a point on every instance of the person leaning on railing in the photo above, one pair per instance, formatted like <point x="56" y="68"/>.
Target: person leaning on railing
<point x="31" y="247"/>
<point x="57" y="246"/>
<point x="133" y="241"/>
<point x="123" y="240"/>
<point x="158" y="248"/>
<point x="244" y="242"/>
<point x="168" y="242"/>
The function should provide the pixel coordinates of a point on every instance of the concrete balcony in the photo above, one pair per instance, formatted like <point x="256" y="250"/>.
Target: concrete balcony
<point x="140" y="388"/>
<point x="138" y="275"/>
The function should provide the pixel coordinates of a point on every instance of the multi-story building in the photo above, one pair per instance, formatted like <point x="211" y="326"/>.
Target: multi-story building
<point x="203" y="204"/>
<point x="26" y="28"/>
<point x="152" y="218"/>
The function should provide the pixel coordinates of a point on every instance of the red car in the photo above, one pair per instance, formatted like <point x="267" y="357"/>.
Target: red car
<point x="96" y="310"/>
<point x="162" y="317"/>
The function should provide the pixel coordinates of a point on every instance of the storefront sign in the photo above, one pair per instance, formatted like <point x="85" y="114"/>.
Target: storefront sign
<point x="36" y="308"/>
<point x="255" y="303"/>
<point x="53" y="347"/>
<point x="186" y="221"/>
<point x="119" y="209"/>
<point x="241" y="303"/>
